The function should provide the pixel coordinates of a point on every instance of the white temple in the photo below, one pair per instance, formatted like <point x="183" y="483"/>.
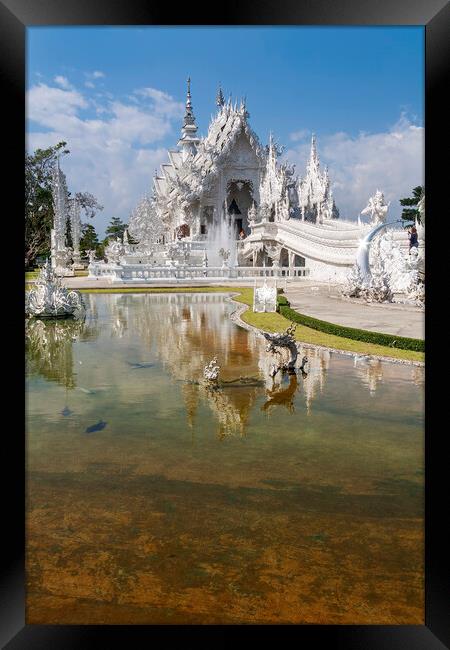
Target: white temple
<point x="225" y="206"/>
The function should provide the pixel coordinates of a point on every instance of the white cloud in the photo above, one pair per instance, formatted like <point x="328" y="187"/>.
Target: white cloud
<point x="45" y="101"/>
<point x="392" y="161"/>
<point x="299" y="135"/>
<point x="63" y="82"/>
<point x="113" y="144"/>
<point x="161" y="102"/>
<point x="91" y="76"/>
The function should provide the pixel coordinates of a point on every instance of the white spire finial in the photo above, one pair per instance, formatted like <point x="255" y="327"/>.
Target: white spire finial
<point x="220" y="101"/>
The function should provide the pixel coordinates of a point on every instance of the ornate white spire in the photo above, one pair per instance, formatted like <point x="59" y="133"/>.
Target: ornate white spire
<point x="189" y="115"/>
<point x="189" y="139"/>
<point x="220" y="100"/>
<point x="314" y="190"/>
<point x="314" y="163"/>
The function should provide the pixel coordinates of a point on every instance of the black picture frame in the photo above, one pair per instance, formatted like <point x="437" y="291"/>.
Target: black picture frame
<point x="15" y="16"/>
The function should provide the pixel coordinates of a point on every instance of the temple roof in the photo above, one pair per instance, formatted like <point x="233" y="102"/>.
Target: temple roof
<point x="226" y="126"/>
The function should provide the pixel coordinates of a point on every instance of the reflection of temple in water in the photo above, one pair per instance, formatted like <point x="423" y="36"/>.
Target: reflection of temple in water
<point x="371" y="372"/>
<point x="184" y="331"/>
<point x="49" y="349"/>
<point x="317" y="368"/>
<point x="374" y="371"/>
<point x="185" y="337"/>
<point x="418" y="375"/>
<point x="49" y="344"/>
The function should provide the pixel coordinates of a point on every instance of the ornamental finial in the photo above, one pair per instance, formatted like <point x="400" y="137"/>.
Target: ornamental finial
<point x="220" y="100"/>
<point x="189" y="114"/>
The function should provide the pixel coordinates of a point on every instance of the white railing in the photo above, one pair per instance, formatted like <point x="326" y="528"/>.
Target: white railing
<point x="146" y="273"/>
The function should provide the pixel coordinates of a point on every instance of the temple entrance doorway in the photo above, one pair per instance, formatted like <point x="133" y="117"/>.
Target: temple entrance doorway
<point x="284" y="257"/>
<point x="239" y="200"/>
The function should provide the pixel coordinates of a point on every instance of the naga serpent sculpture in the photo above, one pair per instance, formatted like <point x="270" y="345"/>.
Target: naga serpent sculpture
<point x="283" y="340"/>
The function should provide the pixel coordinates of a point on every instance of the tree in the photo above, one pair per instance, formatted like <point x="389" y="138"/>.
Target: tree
<point x="39" y="200"/>
<point x="115" y="229"/>
<point x="89" y="238"/>
<point x="411" y="213"/>
<point x="88" y="203"/>
<point x="39" y="208"/>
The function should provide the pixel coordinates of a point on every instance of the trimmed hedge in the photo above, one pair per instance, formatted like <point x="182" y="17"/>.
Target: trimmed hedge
<point x="282" y="301"/>
<point x="390" y="340"/>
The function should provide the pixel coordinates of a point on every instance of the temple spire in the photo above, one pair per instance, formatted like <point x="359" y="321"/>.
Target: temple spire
<point x="189" y="114"/>
<point x="220" y="100"/>
<point x="313" y="157"/>
<point x="189" y="139"/>
<point x="313" y="146"/>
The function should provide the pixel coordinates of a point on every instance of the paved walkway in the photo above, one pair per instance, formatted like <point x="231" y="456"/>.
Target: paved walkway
<point x="324" y="302"/>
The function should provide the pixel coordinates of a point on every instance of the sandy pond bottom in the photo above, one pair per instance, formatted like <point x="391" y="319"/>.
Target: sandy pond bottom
<point x="151" y="499"/>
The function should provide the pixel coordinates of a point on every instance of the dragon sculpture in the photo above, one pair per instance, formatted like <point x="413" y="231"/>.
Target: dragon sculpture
<point x="285" y="341"/>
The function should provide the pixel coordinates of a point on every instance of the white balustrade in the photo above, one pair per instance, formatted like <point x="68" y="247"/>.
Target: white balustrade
<point x="140" y="273"/>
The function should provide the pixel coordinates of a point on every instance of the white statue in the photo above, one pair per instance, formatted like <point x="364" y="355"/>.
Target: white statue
<point x="114" y="250"/>
<point x="211" y="371"/>
<point x="252" y="215"/>
<point x="354" y="284"/>
<point x="377" y="208"/>
<point x="49" y="299"/>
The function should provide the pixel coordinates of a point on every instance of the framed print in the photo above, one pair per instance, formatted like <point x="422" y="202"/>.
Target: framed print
<point x="225" y="273"/>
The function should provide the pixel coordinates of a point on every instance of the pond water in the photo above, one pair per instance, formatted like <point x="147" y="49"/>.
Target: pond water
<point x="153" y="499"/>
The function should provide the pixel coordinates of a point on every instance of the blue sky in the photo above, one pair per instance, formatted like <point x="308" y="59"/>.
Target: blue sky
<point x="116" y="93"/>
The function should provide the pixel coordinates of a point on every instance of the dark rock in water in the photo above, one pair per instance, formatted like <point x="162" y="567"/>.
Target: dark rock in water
<point x="66" y="411"/>
<point x="145" y="364"/>
<point x="96" y="427"/>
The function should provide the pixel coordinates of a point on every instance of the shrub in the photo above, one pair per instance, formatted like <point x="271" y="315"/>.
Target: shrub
<point x="282" y="301"/>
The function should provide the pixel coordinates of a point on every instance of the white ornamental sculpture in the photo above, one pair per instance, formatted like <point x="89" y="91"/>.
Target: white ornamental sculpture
<point x="75" y="229"/>
<point x="145" y="223"/>
<point x="265" y="298"/>
<point x="377" y="208"/>
<point x="390" y="272"/>
<point x="252" y="215"/>
<point x="379" y="288"/>
<point x="355" y="283"/>
<point x="114" y="250"/>
<point x="60" y="253"/>
<point x="211" y="371"/>
<point x="50" y="299"/>
<point x="91" y="255"/>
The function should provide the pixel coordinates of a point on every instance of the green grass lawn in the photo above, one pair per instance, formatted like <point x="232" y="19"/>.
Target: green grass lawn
<point x="275" y="322"/>
<point x="32" y="275"/>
